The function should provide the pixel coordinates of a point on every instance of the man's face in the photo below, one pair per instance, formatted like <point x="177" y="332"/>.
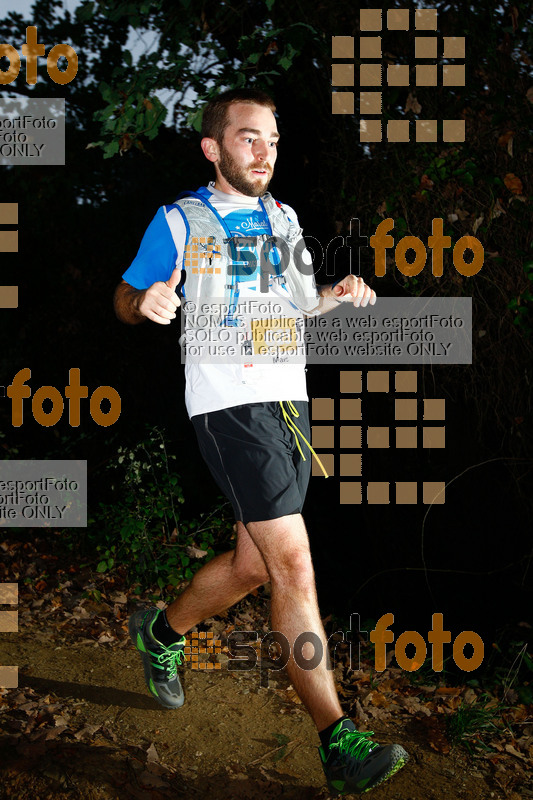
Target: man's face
<point x="247" y="154"/>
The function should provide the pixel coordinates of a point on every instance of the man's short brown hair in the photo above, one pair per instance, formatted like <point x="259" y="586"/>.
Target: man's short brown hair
<point x="215" y="116"/>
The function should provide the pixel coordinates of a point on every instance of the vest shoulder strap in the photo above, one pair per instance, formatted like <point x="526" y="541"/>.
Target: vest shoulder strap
<point x="173" y="214"/>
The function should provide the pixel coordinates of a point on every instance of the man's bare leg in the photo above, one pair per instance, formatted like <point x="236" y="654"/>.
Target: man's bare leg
<point x="284" y="545"/>
<point x="219" y="584"/>
<point x="226" y="579"/>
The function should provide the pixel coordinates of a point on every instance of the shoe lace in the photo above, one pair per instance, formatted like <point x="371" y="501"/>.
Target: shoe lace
<point x="168" y="660"/>
<point x="355" y="743"/>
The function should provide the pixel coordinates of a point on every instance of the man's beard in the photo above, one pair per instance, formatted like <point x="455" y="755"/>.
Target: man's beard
<point x="238" y="177"/>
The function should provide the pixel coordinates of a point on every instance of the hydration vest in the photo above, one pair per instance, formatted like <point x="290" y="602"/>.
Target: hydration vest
<point x="216" y="277"/>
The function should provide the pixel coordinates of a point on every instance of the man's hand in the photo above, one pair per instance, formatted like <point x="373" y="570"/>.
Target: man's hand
<point x="352" y="288"/>
<point x="158" y="303"/>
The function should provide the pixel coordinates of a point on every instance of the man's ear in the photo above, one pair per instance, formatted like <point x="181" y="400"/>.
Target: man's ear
<point x="210" y="149"/>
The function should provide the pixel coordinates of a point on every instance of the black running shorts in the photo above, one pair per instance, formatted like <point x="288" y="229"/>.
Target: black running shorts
<point x="253" y="457"/>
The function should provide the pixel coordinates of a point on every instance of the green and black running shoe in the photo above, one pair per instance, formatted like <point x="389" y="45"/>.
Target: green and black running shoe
<point x="160" y="662"/>
<point x="353" y="764"/>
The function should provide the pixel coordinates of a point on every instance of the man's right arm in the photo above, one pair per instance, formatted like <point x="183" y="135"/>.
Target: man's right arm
<point x="126" y="303"/>
<point x="158" y="303"/>
<point x="142" y="294"/>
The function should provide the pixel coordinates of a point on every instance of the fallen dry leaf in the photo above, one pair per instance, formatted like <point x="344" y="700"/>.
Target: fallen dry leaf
<point x="470" y="696"/>
<point x="513" y="183"/>
<point x="86" y="732"/>
<point x="375" y="699"/>
<point x="290" y="694"/>
<point x="378" y="713"/>
<point x="504" y="139"/>
<point x="152" y="754"/>
<point x="195" y="552"/>
<point x="514" y="752"/>
<point x="462" y="214"/>
<point x="497" y="210"/>
<point x="477" y="223"/>
<point x="119" y="597"/>
<point x="412" y="104"/>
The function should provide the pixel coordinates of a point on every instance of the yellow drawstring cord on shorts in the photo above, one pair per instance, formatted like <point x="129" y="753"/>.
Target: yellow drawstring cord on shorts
<point x="295" y="430"/>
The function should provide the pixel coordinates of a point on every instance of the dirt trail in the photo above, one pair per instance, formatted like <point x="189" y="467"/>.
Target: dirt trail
<point x="105" y="737"/>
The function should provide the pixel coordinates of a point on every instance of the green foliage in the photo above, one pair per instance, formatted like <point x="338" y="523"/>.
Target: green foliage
<point x="127" y="116"/>
<point x="472" y="721"/>
<point x="282" y="741"/>
<point x="190" y="60"/>
<point x="510" y="667"/>
<point x="425" y="675"/>
<point x="269" y="51"/>
<point x="142" y="527"/>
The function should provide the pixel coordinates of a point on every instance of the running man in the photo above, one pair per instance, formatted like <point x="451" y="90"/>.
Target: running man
<point x="250" y="419"/>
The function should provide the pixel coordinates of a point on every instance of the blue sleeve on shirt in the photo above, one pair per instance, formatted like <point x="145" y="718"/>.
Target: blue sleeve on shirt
<point x="156" y="257"/>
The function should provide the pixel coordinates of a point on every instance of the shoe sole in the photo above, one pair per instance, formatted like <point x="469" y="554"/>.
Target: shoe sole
<point x="402" y="757"/>
<point x="134" y="629"/>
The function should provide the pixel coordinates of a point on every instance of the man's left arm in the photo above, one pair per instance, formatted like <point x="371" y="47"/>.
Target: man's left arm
<point x="351" y="289"/>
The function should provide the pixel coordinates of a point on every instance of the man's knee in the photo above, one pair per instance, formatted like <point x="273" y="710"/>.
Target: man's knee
<point x="285" y="548"/>
<point x="293" y="569"/>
